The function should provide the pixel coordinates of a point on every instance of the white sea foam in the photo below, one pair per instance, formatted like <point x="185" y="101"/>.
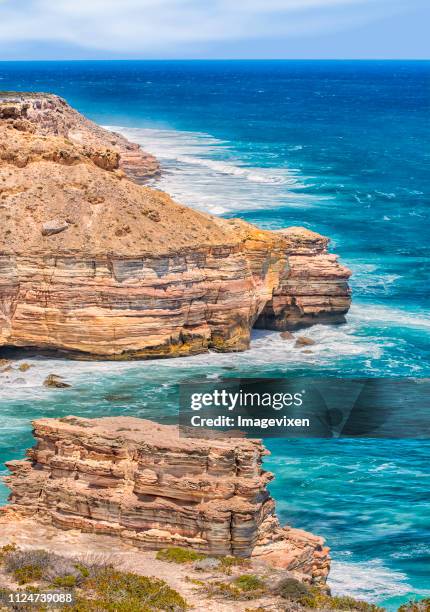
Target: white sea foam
<point x="267" y="350"/>
<point x="383" y="194"/>
<point x="251" y="174"/>
<point x="205" y="173"/>
<point x="387" y="316"/>
<point x="371" y="279"/>
<point x="413" y="549"/>
<point x="28" y="385"/>
<point x="11" y="424"/>
<point x="196" y="148"/>
<point x="371" y="581"/>
<point x="333" y="345"/>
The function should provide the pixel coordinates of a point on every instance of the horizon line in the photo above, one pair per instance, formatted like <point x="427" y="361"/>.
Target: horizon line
<point x="238" y="59"/>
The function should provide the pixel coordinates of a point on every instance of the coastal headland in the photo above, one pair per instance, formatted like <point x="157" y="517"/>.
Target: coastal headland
<point x="141" y="483"/>
<point x="97" y="265"/>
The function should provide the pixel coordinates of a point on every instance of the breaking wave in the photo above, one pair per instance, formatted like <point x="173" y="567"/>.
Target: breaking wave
<point x="371" y="581"/>
<point x="205" y="173"/>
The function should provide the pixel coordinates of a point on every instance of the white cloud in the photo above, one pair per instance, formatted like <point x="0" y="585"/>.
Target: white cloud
<point x="149" y="26"/>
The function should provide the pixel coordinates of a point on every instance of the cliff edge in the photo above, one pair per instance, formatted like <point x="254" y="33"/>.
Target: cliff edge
<point x="95" y="265"/>
<point x="142" y="483"/>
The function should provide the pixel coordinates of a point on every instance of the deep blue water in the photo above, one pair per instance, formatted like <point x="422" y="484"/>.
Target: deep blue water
<point x="342" y="148"/>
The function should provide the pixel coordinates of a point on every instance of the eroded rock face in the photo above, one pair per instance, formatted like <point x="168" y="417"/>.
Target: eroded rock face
<point x="50" y="115"/>
<point x="97" y="266"/>
<point x="141" y="482"/>
<point x="313" y="289"/>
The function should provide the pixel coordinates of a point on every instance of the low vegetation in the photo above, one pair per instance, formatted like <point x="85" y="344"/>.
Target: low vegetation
<point x="290" y="588"/>
<point x="176" y="554"/>
<point x="112" y="590"/>
<point x="319" y="601"/>
<point x="96" y="584"/>
<point x="249" y="582"/>
<point x="243" y="587"/>
<point x="418" y="605"/>
<point x="298" y="596"/>
<point x="28" y="566"/>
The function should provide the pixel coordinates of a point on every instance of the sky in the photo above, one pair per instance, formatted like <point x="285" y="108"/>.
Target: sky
<point x="214" y="29"/>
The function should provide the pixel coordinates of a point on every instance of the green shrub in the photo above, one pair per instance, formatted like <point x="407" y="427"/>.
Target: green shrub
<point x="316" y="599"/>
<point x="6" y="550"/>
<point x="223" y="589"/>
<point x="63" y="570"/>
<point x="93" y="580"/>
<point x="82" y="569"/>
<point x="66" y="582"/>
<point x="290" y="588"/>
<point x="349" y="603"/>
<point x="175" y="554"/>
<point x="228" y="562"/>
<point x="118" y="591"/>
<point x="28" y="573"/>
<point x="247" y="586"/>
<point x="91" y="564"/>
<point x="249" y="582"/>
<point x="32" y="565"/>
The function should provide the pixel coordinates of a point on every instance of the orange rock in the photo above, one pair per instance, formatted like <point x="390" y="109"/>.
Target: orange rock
<point x="98" y="266"/>
<point x="141" y="482"/>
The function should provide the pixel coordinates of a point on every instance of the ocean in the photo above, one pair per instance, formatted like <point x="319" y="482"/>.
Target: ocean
<point x="339" y="147"/>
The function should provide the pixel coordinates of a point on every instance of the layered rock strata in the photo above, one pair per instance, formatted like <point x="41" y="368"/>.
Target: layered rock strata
<point x="312" y="289"/>
<point x="97" y="266"/>
<point x="141" y="482"/>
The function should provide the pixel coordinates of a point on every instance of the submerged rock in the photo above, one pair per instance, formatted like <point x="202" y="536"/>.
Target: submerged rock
<point x="55" y="381"/>
<point x="23" y="367"/>
<point x="304" y="341"/>
<point x="118" y="397"/>
<point x="287" y="335"/>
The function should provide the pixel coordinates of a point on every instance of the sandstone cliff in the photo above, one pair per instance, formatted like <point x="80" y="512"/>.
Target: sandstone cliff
<point x="139" y="481"/>
<point x="96" y="265"/>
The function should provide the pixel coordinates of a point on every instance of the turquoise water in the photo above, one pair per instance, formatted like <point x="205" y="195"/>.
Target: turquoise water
<point x="342" y="148"/>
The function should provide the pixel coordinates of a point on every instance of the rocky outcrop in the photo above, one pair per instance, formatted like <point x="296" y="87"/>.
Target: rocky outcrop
<point x="141" y="482"/>
<point x="97" y="266"/>
<point x="50" y="115"/>
<point x="313" y="289"/>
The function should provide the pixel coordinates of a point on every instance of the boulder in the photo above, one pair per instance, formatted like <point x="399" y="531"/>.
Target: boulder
<point x="54" y="226"/>
<point x="303" y="341"/>
<point x="56" y="382"/>
<point x="287" y="335"/>
<point x="23" y="367"/>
